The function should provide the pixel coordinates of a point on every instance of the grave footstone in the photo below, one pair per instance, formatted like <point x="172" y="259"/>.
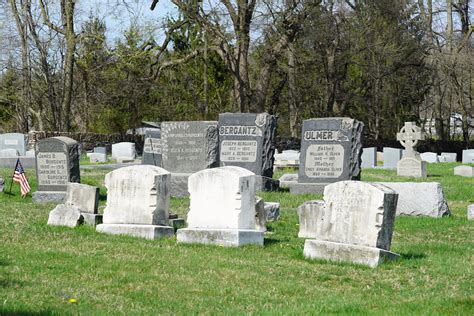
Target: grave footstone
<point x="57" y="164"/>
<point x="468" y="156"/>
<point x="247" y="140"/>
<point x="15" y="141"/>
<point x="369" y="157"/>
<point x="331" y="150"/>
<point x="391" y="156"/>
<point x="97" y="157"/>
<point x="470" y="212"/>
<point x="420" y="198"/>
<point x="429" y="157"/>
<point x="411" y="165"/>
<point x="138" y="200"/>
<point x="356" y="224"/>
<point x="222" y="208"/>
<point x="464" y="171"/>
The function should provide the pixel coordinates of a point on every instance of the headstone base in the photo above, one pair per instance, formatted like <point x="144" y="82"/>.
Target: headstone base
<point x="333" y="251"/>
<point x="92" y="219"/>
<point x="222" y="237"/>
<point x="49" y="196"/>
<point x="266" y="184"/>
<point x="305" y="188"/>
<point x="143" y="231"/>
<point x="411" y="167"/>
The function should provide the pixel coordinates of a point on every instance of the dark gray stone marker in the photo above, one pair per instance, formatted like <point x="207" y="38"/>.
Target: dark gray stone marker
<point x="57" y="164"/>
<point x="247" y="141"/>
<point x="331" y="150"/>
<point x="152" y="148"/>
<point x="188" y="147"/>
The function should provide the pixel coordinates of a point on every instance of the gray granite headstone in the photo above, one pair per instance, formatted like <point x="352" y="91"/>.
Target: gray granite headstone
<point x="8" y="153"/>
<point x="247" y="141"/>
<point x="331" y="150"/>
<point x="57" y="164"/>
<point x="369" y="157"/>
<point x="152" y="148"/>
<point x="15" y="141"/>
<point x="391" y="156"/>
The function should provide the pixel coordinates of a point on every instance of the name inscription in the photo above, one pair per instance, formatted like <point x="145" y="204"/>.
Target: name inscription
<point x="238" y="151"/>
<point x="153" y="146"/>
<point x="319" y="135"/>
<point x="240" y="130"/>
<point x="52" y="168"/>
<point x="324" y="161"/>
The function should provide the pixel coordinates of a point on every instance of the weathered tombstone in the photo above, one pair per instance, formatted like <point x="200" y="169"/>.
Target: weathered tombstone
<point x="8" y="153"/>
<point x="287" y="159"/>
<point x="97" y="157"/>
<point x="308" y="215"/>
<point x="464" y="171"/>
<point x="138" y="200"/>
<point x="449" y="157"/>
<point x="247" y="141"/>
<point x="124" y="151"/>
<point x="470" y="212"/>
<point x="287" y="179"/>
<point x="391" y="156"/>
<point x="429" y="157"/>
<point x="152" y="148"/>
<point x="331" y="150"/>
<point x="2" y="182"/>
<point x="468" y="156"/>
<point x="222" y="208"/>
<point x="356" y="224"/>
<point x="369" y="157"/>
<point x="82" y="199"/>
<point x="57" y="164"/>
<point x="15" y="141"/>
<point x="420" y="198"/>
<point x="100" y="150"/>
<point x="411" y="165"/>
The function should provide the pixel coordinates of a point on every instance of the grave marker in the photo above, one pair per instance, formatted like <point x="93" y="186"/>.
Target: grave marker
<point x="411" y="164"/>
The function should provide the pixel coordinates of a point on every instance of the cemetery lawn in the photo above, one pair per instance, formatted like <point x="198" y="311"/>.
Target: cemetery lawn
<point x="42" y="268"/>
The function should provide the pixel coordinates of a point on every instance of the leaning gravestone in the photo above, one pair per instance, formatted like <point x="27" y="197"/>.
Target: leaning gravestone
<point x="355" y="224"/>
<point x="152" y="148"/>
<point x="57" y="164"/>
<point x="331" y="150"/>
<point x="138" y="200"/>
<point x="247" y="141"/>
<point x="369" y="157"/>
<point x="391" y="156"/>
<point x="15" y="141"/>
<point x="222" y="209"/>
<point x="411" y="165"/>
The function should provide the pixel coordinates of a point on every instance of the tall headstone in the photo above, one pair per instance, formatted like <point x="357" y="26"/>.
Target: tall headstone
<point x="331" y="150"/>
<point x="369" y="157"/>
<point x="222" y="208"/>
<point x="247" y="140"/>
<point x="15" y="141"/>
<point x="355" y="224"/>
<point x="391" y="156"/>
<point x="411" y="165"/>
<point x="152" y="148"/>
<point x="57" y="164"/>
<point x="138" y="200"/>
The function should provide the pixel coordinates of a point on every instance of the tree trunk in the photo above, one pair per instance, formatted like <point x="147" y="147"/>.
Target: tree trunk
<point x="69" y="62"/>
<point x="293" y="104"/>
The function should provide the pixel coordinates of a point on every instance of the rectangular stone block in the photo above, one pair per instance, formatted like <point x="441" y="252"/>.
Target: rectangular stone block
<point x="84" y="196"/>
<point x="308" y="215"/>
<point x="124" y="150"/>
<point x="369" y="157"/>
<point x="391" y="156"/>
<point x="468" y="156"/>
<point x="339" y="252"/>
<point x="464" y="171"/>
<point x="429" y="157"/>
<point x="142" y="231"/>
<point x="16" y="141"/>
<point x="449" y="157"/>
<point x="221" y="237"/>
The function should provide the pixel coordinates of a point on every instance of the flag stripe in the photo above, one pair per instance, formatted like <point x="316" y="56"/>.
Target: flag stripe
<point x="20" y="177"/>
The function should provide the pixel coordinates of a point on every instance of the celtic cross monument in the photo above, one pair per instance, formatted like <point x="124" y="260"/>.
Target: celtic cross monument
<point x="411" y="164"/>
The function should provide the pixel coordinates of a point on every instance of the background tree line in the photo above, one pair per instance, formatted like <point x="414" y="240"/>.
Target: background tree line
<point x="380" y="61"/>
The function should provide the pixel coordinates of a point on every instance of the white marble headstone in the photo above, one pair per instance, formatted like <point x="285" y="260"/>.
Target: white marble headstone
<point x="124" y="150"/>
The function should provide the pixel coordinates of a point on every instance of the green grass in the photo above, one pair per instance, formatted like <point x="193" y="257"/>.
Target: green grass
<point x="42" y="267"/>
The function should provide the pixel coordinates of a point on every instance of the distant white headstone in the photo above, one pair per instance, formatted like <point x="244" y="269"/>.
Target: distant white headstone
<point x="123" y="151"/>
<point x="411" y="164"/>
<point x="369" y="157"/>
<point x="464" y="171"/>
<point x="468" y="156"/>
<point x="429" y="157"/>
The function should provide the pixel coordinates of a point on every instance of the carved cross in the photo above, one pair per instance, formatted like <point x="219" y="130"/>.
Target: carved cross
<point x="409" y="136"/>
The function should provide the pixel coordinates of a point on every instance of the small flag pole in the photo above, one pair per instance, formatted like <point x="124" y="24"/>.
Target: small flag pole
<point x="11" y="184"/>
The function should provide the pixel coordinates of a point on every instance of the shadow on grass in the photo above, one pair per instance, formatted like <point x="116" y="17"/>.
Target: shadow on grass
<point x="268" y="241"/>
<point x="412" y="256"/>
<point x="6" y="311"/>
<point x="102" y="197"/>
<point x="10" y="283"/>
<point x="433" y="176"/>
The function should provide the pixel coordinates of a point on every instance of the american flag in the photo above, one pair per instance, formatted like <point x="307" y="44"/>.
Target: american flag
<point x="20" y="177"/>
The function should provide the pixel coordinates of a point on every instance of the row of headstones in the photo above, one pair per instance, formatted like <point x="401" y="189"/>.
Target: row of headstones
<point x="354" y="222"/>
